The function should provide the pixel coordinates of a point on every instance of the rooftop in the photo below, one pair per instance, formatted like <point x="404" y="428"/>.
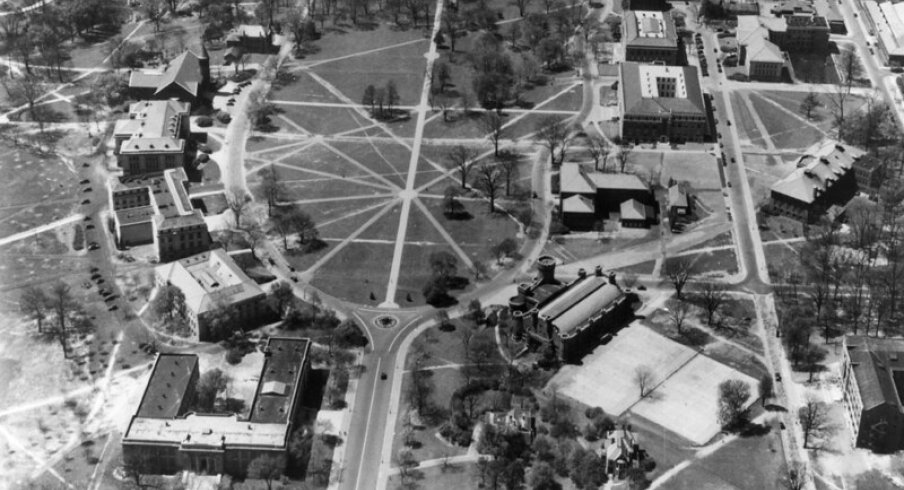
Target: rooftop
<point x="184" y="71"/>
<point x="280" y="379"/>
<point x="577" y="204"/>
<point x="879" y="369"/>
<point x="579" y="301"/>
<point x="657" y="89"/>
<point x="207" y="430"/>
<point x="167" y="386"/>
<point x="635" y="210"/>
<point x="131" y="216"/>
<point x="650" y="28"/>
<point x="153" y="119"/>
<point x="207" y="279"/>
<point x="677" y="196"/>
<point x="817" y="171"/>
<point x="576" y="179"/>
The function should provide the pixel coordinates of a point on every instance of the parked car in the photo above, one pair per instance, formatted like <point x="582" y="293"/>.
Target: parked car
<point x="93" y="246"/>
<point x="778" y="377"/>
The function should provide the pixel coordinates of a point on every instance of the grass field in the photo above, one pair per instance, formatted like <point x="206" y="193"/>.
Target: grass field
<point x="785" y="130"/>
<point x="444" y="383"/>
<point x="684" y="396"/>
<point x="38" y="190"/>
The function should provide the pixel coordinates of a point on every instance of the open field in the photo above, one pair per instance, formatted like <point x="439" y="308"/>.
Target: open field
<point x="38" y="190"/>
<point x="684" y="397"/>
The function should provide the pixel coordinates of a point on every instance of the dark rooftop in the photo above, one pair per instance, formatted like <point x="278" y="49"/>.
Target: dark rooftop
<point x="168" y="385"/>
<point x="279" y="380"/>
<point x="877" y="366"/>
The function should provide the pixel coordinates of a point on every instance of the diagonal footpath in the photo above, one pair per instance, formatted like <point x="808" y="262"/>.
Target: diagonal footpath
<point x="410" y="193"/>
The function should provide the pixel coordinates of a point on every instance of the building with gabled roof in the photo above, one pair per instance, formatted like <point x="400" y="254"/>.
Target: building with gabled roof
<point x="661" y="103"/>
<point x="587" y="197"/>
<point x="171" y="388"/>
<point x="153" y="138"/>
<point x="620" y="452"/>
<point x="635" y="214"/>
<point x="211" y="281"/>
<point x="823" y="178"/>
<point x="873" y="391"/>
<point x="569" y="318"/>
<point x="170" y="441"/>
<point x="650" y="37"/>
<point x="251" y="38"/>
<point x="763" y="60"/>
<point x="184" y="79"/>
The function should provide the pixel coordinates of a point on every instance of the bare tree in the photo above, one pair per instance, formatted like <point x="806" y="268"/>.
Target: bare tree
<point x="522" y="6"/>
<point x="624" y="153"/>
<point x="508" y="165"/>
<point x="554" y="135"/>
<point x="678" y="311"/>
<point x="271" y="187"/>
<point x="63" y="304"/>
<point x="814" y="419"/>
<point x="155" y="10"/>
<point x="34" y="303"/>
<point x="492" y="124"/>
<point x="797" y="476"/>
<point x="643" y="378"/>
<point x="599" y="151"/>
<point x="238" y="204"/>
<point x="810" y="102"/>
<point x="679" y="270"/>
<point x="733" y="396"/>
<point x="712" y="295"/>
<point x="489" y="181"/>
<point x="26" y="90"/>
<point x="460" y="157"/>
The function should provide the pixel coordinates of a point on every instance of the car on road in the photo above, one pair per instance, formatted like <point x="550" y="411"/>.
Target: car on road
<point x="85" y="181"/>
<point x="383" y="376"/>
<point x="606" y="338"/>
<point x="113" y="308"/>
<point x="778" y="377"/>
<point x="86" y="201"/>
<point x="93" y="246"/>
<point x="89" y="227"/>
<point x="87" y="189"/>
<point x="271" y="261"/>
<point x="733" y="160"/>
<point x="86" y="165"/>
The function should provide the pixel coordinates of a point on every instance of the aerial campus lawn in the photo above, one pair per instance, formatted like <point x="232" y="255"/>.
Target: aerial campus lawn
<point x="38" y="190"/>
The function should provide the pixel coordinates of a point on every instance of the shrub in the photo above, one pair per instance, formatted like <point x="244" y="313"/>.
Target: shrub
<point x="204" y="149"/>
<point x="455" y="434"/>
<point x="224" y="117"/>
<point x="203" y="158"/>
<point x="204" y="121"/>
<point x="234" y="356"/>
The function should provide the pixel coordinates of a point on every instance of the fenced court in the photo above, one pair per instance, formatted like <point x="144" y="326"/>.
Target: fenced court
<point x="684" y="383"/>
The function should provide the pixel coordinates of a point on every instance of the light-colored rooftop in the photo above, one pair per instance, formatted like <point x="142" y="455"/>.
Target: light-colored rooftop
<point x="817" y="171"/>
<point x="207" y="279"/>
<point x="206" y="431"/>
<point x="591" y="305"/>
<point x="577" y="204"/>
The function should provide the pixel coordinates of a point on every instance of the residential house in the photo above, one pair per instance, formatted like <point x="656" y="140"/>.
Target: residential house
<point x="680" y="204"/>
<point x="620" y="452"/>
<point x="763" y="59"/>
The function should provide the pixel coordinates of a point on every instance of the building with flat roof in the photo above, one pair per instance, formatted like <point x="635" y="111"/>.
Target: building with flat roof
<point x="158" y="210"/>
<point x="166" y="441"/>
<point x="153" y="138"/>
<point x="185" y="79"/>
<point x="886" y="21"/>
<point x="823" y="178"/>
<point x="569" y="318"/>
<point x="211" y="281"/>
<point x="650" y="37"/>
<point x="588" y="197"/>
<point x="661" y="103"/>
<point x="873" y="392"/>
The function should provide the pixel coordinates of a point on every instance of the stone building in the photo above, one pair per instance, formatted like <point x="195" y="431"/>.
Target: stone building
<point x="570" y="318"/>
<point x="153" y="138"/>
<point x="251" y="39"/>
<point x="211" y="281"/>
<point x="650" y="37"/>
<point x="823" y="178"/>
<point x="158" y="210"/>
<point x="873" y="392"/>
<point x="165" y="437"/>
<point x="661" y="103"/>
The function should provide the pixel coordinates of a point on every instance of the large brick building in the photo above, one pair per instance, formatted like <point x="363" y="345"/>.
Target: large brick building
<point x="763" y="59"/>
<point x="650" y="37"/>
<point x="570" y="318"/>
<point x="873" y="392"/>
<point x="186" y="78"/>
<point x="158" y="210"/>
<point x="153" y="138"/>
<point x="166" y="437"/>
<point x="661" y="103"/>
<point x="210" y="281"/>
<point x="823" y="178"/>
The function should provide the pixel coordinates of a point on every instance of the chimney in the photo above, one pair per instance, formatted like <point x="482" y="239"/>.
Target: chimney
<point x="546" y="265"/>
<point x="582" y="273"/>
<point x="612" y="279"/>
<point x="598" y="271"/>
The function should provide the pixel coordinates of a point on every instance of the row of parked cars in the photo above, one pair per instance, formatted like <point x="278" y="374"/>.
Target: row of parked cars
<point x="698" y="39"/>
